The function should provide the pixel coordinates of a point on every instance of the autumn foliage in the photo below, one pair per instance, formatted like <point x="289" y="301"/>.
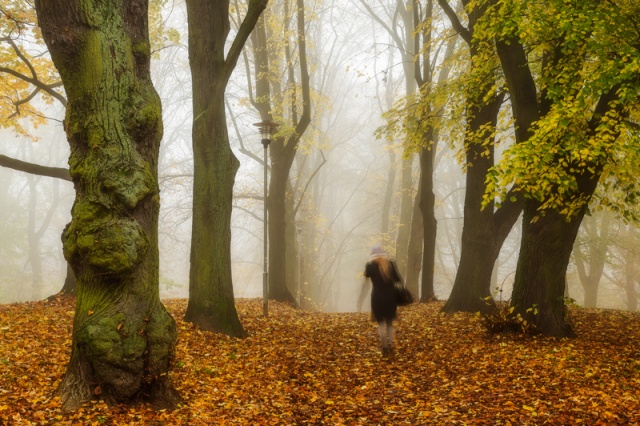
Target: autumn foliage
<point x="316" y="368"/>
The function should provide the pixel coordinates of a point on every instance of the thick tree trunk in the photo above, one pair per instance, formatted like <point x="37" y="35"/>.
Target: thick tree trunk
<point x="211" y="303"/>
<point x="123" y="338"/>
<point x="484" y="230"/>
<point x="545" y="250"/>
<point x="479" y="246"/>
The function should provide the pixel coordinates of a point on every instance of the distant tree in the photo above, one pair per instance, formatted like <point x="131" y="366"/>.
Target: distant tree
<point x="412" y="28"/>
<point x="397" y="19"/>
<point x="123" y="338"/>
<point x="590" y="254"/>
<point x="211" y="301"/>
<point x="280" y="97"/>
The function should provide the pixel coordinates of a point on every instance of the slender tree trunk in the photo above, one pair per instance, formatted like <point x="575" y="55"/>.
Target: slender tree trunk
<point x="414" y="252"/>
<point x="630" y="281"/>
<point x="406" y="207"/>
<point x="430" y="225"/>
<point x="597" y="234"/>
<point x="276" y="204"/>
<point x="34" y="242"/>
<point x="70" y="286"/>
<point x="211" y="301"/>
<point x="388" y="193"/>
<point x="123" y="338"/>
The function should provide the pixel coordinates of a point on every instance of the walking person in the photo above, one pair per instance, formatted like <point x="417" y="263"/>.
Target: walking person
<point x="384" y="305"/>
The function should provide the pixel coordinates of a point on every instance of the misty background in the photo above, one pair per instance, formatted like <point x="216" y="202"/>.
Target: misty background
<point x="356" y="76"/>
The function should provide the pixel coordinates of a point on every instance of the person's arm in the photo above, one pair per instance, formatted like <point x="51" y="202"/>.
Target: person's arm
<point x="396" y="273"/>
<point x="364" y="289"/>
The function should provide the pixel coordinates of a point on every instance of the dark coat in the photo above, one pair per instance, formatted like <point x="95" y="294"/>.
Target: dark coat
<point x="384" y="304"/>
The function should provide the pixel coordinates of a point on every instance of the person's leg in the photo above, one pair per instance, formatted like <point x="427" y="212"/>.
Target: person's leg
<point x="382" y="333"/>
<point x="391" y="334"/>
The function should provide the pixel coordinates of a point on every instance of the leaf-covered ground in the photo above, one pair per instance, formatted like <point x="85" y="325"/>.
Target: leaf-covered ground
<point x="314" y="368"/>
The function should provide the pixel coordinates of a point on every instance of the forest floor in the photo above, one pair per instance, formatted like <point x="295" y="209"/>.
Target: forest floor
<point x="315" y="368"/>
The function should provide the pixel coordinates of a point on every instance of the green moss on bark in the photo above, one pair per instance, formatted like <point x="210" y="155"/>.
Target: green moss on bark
<point x="123" y="338"/>
<point x="111" y="246"/>
<point x="161" y="332"/>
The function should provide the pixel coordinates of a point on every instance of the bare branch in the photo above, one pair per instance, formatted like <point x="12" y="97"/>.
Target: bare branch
<point x="304" y="190"/>
<point x="35" y="169"/>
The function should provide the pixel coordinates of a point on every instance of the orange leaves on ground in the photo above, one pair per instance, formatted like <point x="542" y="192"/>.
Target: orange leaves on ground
<point x="314" y="368"/>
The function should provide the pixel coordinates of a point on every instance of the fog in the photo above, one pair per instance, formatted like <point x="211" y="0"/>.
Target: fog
<point x="355" y="65"/>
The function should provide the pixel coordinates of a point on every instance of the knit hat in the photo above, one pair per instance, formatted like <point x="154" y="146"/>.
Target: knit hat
<point x="377" y="250"/>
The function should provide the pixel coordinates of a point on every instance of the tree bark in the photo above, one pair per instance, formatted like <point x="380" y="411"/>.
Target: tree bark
<point x="123" y="338"/>
<point x="545" y="250"/>
<point x="484" y="230"/>
<point x="429" y="223"/>
<point x="548" y="236"/>
<point x="406" y="207"/>
<point x="281" y="161"/>
<point x="211" y="300"/>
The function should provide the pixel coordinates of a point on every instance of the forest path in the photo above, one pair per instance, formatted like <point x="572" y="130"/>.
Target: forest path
<point x="316" y="368"/>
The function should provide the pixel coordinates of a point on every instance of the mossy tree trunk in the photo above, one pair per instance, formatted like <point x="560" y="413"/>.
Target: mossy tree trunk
<point x="123" y="338"/>
<point x="211" y="301"/>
